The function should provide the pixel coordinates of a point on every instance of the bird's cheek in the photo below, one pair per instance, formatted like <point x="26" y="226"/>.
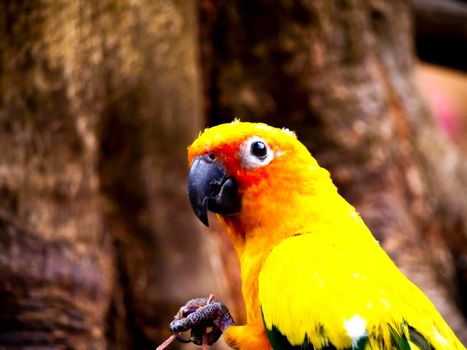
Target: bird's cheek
<point x="251" y="182"/>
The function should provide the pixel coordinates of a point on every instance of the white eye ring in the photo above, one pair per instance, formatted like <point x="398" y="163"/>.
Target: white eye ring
<point x="248" y="159"/>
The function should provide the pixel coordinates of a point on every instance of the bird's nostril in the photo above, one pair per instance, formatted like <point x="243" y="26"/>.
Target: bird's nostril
<point x="211" y="156"/>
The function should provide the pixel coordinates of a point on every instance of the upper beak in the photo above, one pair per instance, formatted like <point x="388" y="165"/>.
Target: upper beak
<point x="211" y="188"/>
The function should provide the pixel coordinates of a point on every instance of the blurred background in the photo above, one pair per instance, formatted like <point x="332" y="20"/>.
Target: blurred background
<point x="99" y="100"/>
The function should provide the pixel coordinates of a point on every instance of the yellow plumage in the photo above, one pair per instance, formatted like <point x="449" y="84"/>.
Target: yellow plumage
<point x="313" y="275"/>
<point x="334" y="284"/>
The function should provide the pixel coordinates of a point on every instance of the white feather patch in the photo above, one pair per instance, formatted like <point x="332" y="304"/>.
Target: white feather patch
<point x="356" y="328"/>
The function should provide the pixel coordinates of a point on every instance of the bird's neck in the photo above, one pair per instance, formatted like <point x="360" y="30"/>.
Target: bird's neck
<point x="269" y="217"/>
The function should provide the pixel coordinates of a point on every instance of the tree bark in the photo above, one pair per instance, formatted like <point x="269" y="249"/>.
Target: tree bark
<point x="98" y="245"/>
<point x="341" y="73"/>
<point x="55" y="258"/>
<point x="153" y="112"/>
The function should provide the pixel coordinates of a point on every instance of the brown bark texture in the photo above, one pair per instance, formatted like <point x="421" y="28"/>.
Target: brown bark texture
<point x="98" y="245"/>
<point x="55" y="259"/>
<point x="341" y="74"/>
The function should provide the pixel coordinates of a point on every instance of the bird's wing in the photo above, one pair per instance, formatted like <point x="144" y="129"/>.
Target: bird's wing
<point x="331" y="295"/>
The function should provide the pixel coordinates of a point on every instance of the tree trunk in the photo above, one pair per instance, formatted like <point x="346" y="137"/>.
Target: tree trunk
<point x="98" y="245"/>
<point x="153" y="112"/>
<point x="341" y="73"/>
<point x="55" y="259"/>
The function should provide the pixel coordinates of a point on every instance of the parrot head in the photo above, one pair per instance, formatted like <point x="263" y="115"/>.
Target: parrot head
<point x="247" y="172"/>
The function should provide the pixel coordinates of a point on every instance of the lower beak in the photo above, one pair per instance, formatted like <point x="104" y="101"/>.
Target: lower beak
<point x="211" y="188"/>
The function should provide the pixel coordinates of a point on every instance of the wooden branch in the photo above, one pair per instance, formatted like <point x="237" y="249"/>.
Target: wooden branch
<point x="441" y="32"/>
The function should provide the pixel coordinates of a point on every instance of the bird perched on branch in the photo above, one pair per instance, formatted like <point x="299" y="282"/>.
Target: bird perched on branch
<point x="313" y="275"/>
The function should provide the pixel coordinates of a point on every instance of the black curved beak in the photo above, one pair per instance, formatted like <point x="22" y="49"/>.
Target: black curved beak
<point x="211" y="188"/>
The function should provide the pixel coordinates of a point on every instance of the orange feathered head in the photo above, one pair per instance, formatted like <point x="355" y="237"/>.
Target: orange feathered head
<point x="238" y="163"/>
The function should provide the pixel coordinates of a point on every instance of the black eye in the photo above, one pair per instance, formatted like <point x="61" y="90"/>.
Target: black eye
<point x="259" y="149"/>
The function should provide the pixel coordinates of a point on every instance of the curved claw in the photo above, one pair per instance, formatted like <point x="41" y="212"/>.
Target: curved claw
<point x="181" y="339"/>
<point x="202" y="318"/>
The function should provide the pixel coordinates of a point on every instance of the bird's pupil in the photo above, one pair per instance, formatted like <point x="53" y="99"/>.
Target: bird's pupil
<point x="259" y="149"/>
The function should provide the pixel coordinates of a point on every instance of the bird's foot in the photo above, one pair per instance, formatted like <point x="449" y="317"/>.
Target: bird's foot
<point x="205" y="317"/>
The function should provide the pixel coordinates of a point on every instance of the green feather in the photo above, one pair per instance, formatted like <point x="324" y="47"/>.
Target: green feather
<point x="419" y="340"/>
<point x="280" y="342"/>
<point x="361" y="343"/>
<point x="399" y="340"/>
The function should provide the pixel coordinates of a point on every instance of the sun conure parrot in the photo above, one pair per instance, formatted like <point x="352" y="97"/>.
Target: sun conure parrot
<point x="313" y="275"/>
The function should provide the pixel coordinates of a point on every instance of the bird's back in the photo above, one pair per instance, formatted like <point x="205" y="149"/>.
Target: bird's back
<point x="334" y="290"/>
